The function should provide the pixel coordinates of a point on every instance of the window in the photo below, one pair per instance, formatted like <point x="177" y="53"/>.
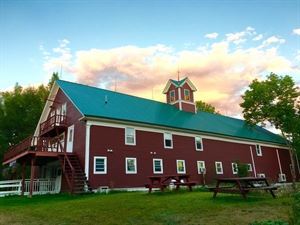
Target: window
<point x="249" y="167"/>
<point x="198" y="144"/>
<point x="201" y="167"/>
<point x="180" y="166"/>
<point x="64" y="109"/>
<point x="187" y="95"/>
<point x="219" y="167"/>
<point x="131" y="166"/>
<point x="157" y="166"/>
<point x="172" y="96"/>
<point x="234" y="168"/>
<point x="168" y="140"/>
<point x="129" y="136"/>
<point x="258" y="150"/>
<point x="262" y="175"/>
<point x="100" y="165"/>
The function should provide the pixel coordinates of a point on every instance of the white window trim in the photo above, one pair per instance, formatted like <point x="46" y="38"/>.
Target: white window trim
<point x="232" y="166"/>
<point x="134" y="136"/>
<point x="198" y="149"/>
<point x="135" y="163"/>
<point x="198" y="167"/>
<point x="172" y="91"/>
<point x="161" y="165"/>
<point x="105" y="165"/>
<point x="180" y="172"/>
<point x="221" y="166"/>
<point x="249" y="167"/>
<point x="165" y="140"/>
<point x="258" y="153"/>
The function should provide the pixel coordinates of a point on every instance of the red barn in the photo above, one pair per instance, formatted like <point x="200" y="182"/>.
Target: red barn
<point x="104" y="138"/>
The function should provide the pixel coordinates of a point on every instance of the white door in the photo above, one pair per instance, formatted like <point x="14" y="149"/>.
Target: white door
<point x="70" y="138"/>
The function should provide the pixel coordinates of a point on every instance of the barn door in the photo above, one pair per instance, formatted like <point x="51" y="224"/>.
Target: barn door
<point x="70" y="138"/>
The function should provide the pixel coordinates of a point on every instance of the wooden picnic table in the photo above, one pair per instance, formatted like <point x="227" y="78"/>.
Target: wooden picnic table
<point x="163" y="181"/>
<point x="242" y="185"/>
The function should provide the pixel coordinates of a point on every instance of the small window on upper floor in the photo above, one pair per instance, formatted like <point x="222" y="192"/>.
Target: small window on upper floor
<point x="172" y="96"/>
<point x="129" y="136"/>
<point x="198" y="144"/>
<point x="258" y="150"/>
<point x="168" y="140"/>
<point x="187" y="96"/>
<point x="64" y="109"/>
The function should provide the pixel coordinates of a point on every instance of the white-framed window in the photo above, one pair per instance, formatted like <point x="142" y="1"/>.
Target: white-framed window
<point x="219" y="167"/>
<point x="198" y="144"/>
<point x="168" y="140"/>
<point x="234" y="168"/>
<point x="158" y="166"/>
<point x="187" y="95"/>
<point x="258" y="150"/>
<point x="261" y="175"/>
<point x="282" y="177"/>
<point x="201" y="167"/>
<point x="100" y="165"/>
<point x="172" y="96"/>
<point x="249" y="167"/>
<point x="180" y="164"/>
<point x="64" y="109"/>
<point x="131" y="165"/>
<point x="129" y="136"/>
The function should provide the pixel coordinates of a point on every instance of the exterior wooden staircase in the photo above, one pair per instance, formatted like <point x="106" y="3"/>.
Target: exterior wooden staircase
<point x="74" y="174"/>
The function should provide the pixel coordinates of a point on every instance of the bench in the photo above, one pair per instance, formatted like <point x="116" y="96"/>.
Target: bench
<point x="160" y="186"/>
<point x="189" y="184"/>
<point x="242" y="185"/>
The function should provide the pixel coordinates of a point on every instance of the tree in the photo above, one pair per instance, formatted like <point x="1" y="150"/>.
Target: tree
<point x="275" y="101"/>
<point x="205" y="107"/>
<point x="20" y="110"/>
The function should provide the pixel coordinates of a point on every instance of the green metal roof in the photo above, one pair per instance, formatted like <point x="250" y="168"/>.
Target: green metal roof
<point x="91" y="102"/>
<point x="179" y="82"/>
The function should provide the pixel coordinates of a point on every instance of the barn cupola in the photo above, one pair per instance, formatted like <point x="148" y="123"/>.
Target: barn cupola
<point x="180" y="93"/>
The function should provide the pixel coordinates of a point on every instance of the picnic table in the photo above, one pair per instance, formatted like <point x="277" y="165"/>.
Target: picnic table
<point x="163" y="181"/>
<point x="242" y="185"/>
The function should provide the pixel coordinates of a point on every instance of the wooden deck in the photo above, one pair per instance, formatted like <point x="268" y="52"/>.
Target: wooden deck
<point x="53" y="125"/>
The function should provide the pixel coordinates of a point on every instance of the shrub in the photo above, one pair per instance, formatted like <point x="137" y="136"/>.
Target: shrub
<point x="242" y="169"/>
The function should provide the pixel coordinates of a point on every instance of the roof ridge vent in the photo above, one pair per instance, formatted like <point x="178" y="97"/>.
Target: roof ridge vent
<point x="105" y="99"/>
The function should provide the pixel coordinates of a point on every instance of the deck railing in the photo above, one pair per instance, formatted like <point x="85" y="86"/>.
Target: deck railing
<point x="40" y="186"/>
<point x="42" y="144"/>
<point x="56" y="120"/>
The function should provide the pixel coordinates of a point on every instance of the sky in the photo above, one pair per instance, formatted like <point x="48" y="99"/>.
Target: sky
<point x="134" y="47"/>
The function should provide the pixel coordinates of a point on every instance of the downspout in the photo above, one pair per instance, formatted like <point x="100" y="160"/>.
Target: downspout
<point x="87" y="150"/>
<point x="253" y="163"/>
<point x="279" y="163"/>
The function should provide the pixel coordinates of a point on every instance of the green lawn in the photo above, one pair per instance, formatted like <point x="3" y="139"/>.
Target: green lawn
<point x="170" y="208"/>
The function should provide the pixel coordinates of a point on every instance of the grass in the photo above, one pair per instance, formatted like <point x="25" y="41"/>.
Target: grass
<point x="170" y="208"/>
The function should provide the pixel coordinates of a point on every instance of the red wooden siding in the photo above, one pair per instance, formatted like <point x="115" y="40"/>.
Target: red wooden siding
<point x="150" y="145"/>
<point x="171" y="88"/>
<point x="73" y="116"/>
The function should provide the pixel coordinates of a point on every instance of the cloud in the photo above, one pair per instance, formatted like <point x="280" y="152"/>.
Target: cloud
<point x="296" y="31"/>
<point x="273" y="40"/>
<point x="240" y="37"/>
<point x="258" y="37"/>
<point x="57" y="58"/>
<point x="211" y="35"/>
<point x="220" y="73"/>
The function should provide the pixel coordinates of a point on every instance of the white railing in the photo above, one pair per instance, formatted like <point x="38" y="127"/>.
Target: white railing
<point x="40" y="187"/>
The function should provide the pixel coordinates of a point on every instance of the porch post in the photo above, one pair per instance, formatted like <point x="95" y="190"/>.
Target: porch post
<point x="23" y="177"/>
<point x="31" y="176"/>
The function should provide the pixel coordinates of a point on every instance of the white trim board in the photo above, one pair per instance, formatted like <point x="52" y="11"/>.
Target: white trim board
<point x="157" y="129"/>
